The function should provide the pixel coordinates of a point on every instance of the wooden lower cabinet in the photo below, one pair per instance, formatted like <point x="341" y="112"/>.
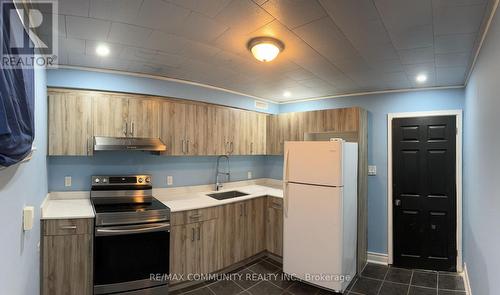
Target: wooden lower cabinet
<point x="67" y="258"/>
<point x="222" y="236"/>
<point x="274" y="226"/>
<point x="194" y="249"/>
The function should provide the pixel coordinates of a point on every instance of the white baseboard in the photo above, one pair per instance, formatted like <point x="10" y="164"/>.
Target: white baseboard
<point x="377" y="258"/>
<point x="465" y="275"/>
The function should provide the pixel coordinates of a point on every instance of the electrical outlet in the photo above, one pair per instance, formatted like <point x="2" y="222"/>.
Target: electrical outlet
<point x="372" y="170"/>
<point x="249" y="174"/>
<point x="67" y="181"/>
<point x="170" y="180"/>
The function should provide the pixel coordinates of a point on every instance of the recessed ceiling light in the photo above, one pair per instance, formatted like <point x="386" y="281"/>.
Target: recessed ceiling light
<point x="265" y="49"/>
<point x="287" y="94"/>
<point x="102" y="50"/>
<point x="421" y="78"/>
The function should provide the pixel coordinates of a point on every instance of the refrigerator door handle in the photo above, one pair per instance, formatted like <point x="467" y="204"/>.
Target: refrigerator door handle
<point x="285" y="183"/>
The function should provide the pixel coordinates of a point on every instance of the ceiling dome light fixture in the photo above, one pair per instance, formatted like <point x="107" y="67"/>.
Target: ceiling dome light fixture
<point x="265" y="49"/>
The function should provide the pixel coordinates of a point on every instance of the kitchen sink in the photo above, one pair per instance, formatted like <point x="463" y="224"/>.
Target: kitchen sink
<point x="227" y="195"/>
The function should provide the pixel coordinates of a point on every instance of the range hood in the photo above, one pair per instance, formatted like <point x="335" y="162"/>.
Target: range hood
<point x="102" y="143"/>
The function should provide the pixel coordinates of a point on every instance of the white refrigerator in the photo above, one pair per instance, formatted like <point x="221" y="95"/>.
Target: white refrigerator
<point x="320" y="212"/>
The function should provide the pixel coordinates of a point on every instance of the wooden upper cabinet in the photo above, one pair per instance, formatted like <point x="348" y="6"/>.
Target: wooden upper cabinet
<point x="110" y="114"/>
<point x="70" y="124"/>
<point x="184" y="128"/>
<point x="273" y="134"/>
<point x="341" y="120"/>
<point x="143" y="117"/>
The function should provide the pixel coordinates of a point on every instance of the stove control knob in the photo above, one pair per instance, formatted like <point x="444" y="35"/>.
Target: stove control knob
<point x="148" y="179"/>
<point x="141" y="180"/>
<point x="97" y="180"/>
<point x="104" y="180"/>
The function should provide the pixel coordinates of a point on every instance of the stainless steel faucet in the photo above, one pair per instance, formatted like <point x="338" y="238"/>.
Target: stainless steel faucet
<point x="227" y="173"/>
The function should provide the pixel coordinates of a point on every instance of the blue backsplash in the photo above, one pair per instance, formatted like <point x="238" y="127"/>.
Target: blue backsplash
<point x="185" y="170"/>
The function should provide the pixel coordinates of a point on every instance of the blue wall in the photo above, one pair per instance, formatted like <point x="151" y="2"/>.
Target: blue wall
<point x="481" y="168"/>
<point x="378" y="106"/>
<point x="83" y="79"/>
<point x="185" y="170"/>
<point x="22" y="185"/>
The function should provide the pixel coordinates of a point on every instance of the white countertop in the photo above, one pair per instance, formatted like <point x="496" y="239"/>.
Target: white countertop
<point x="197" y="200"/>
<point x="73" y="205"/>
<point x="67" y="209"/>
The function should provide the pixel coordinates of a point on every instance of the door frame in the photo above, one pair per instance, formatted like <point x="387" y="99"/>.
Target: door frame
<point x="458" y="161"/>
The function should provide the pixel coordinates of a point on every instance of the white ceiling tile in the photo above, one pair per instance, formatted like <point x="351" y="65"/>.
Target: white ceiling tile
<point x="387" y="65"/>
<point x="200" y="28"/>
<point x="200" y="51"/>
<point x="161" y="15"/>
<point x="404" y="14"/>
<point x="244" y="16"/>
<point x="417" y="56"/>
<point x="326" y="38"/>
<point x="74" y="7"/>
<point x="454" y="43"/>
<point x="207" y="7"/>
<point x="300" y="74"/>
<point x="46" y="27"/>
<point x="452" y="60"/>
<point x="165" y="42"/>
<point x="450" y="76"/>
<point x="294" y="13"/>
<point x="427" y="69"/>
<point x="458" y="2"/>
<point x="87" y="28"/>
<point x="115" y="10"/>
<point x="414" y="37"/>
<point x="457" y="19"/>
<point x="129" y="34"/>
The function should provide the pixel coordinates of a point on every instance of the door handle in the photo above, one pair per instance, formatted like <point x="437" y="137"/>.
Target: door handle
<point x="397" y="202"/>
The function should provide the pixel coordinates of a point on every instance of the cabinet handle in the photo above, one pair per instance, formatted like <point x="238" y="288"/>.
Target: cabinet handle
<point x="126" y="128"/>
<point x="192" y="236"/>
<point x="199" y="233"/>
<point x="183" y="146"/>
<point x="251" y="148"/>
<point x="187" y="146"/>
<point x="68" y="227"/>
<point x="132" y="129"/>
<point x="195" y="216"/>
<point x="241" y="210"/>
<point x="231" y="148"/>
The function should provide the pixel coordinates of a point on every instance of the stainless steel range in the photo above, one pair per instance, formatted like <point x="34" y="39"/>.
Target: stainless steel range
<point x="132" y="234"/>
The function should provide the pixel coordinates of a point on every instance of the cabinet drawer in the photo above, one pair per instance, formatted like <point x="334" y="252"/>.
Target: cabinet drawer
<point x="191" y="216"/>
<point x="54" y="227"/>
<point x="276" y="203"/>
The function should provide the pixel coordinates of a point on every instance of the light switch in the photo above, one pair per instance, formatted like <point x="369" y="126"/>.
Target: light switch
<point x="170" y="180"/>
<point x="372" y="170"/>
<point x="28" y="216"/>
<point x="67" y="181"/>
<point x="249" y="174"/>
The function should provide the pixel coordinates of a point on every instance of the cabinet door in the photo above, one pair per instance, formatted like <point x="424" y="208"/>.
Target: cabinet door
<point x="259" y="137"/>
<point x="143" y="117"/>
<point x="70" y="123"/>
<point x="184" y="252"/>
<point x="196" y="126"/>
<point x="208" y="238"/>
<point x="255" y="226"/>
<point x="228" y="225"/>
<point x="273" y="135"/>
<point x="110" y="115"/>
<point x="173" y="121"/>
<point x="241" y="133"/>
<point x="314" y="121"/>
<point x="223" y="132"/>
<point x="67" y="265"/>
<point x="274" y="226"/>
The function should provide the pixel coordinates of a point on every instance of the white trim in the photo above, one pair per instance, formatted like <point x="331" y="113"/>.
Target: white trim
<point x="89" y="69"/>
<point x="371" y="93"/>
<point x="483" y="37"/>
<point x="377" y="258"/>
<point x="458" y="115"/>
<point x="465" y="276"/>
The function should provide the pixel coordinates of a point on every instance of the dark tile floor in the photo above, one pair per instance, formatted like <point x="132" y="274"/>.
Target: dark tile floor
<point x="263" y="277"/>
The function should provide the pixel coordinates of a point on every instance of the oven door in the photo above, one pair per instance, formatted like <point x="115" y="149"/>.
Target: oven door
<point x="126" y="257"/>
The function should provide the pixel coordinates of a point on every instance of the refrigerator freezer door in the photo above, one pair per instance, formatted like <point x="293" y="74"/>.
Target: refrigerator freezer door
<point x="313" y="162"/>
<point x="312" y="237"/>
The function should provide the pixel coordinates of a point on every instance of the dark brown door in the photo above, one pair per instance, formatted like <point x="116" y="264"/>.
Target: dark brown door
<point x="424" y="192"/>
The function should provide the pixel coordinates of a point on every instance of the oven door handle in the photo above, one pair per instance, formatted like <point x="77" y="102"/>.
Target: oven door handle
<point x="132" y="229"/>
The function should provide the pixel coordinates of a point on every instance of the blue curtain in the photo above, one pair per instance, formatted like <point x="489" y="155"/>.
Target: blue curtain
<point x="16" y="105"/>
